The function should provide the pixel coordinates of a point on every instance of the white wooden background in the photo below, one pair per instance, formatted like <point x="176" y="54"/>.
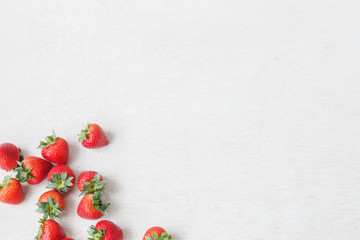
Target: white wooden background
<point x="227" y="119"/>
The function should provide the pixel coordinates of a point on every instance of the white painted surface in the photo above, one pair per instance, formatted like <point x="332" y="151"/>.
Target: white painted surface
<point x="227" y="119"/>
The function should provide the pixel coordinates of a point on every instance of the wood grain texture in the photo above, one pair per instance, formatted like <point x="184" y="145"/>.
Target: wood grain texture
<point x="234" y="119"/>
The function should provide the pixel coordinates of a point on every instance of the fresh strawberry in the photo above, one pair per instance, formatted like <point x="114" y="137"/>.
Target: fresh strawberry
<point x="11" y="191"/>
<point x="157" y="233"/>
<point x="9" y="156"/>
<point x="91" y="206"/>
<point x="89" y="182"/>
<point x="50" y="230"/>
<point x="92" y="136"/>
<point x="105" y="230"/>
<point x="61" y="178"/>
<point x="55" y="149"/>
<point x="51" y="204"/>
<point x="32" y="170"/>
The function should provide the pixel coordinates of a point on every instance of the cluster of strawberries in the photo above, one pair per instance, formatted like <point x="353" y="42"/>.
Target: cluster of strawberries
<point x="61" y="179"/>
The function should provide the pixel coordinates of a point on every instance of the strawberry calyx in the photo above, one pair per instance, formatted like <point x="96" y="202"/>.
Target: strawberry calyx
<point x="49" y="209"/>
<point x="5" y="182"/>
<point x="40" y="232"/>
<point x="96" y="235"/>
<point x="21" y="158"/>
<point x="60" y="182"/>
<point x="155" y="236"/>
<point x="98" y="204"/>
<point x="83" y="135"/>
<point x="94" y="185"/>
<point x="23" y="173"/>
<point x="49" y="140"/>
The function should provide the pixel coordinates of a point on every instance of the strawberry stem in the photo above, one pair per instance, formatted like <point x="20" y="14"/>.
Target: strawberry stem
<point x="163" y="236"/>
<point x="83" y="135"/>
<point x="60" y="182"/>
<point x="96" y="235"/>
<point x="21" y="158"/>
<point x="40" y="232"/>
<point x="94" y="185"/>
<point x="49" y="140"/>
<point x="5" y="182"/>
<point x="23" y="174"/>
<point x="98" y="204"/>
<point x="50" y="209"/>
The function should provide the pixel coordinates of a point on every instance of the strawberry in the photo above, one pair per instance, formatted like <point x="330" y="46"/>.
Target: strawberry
<point x="9" y="155"/>
<point x="61" y="178"/>
<point x="105" y="230"/>
<point x="32" y="170"/>
<point x="55" y="149"/>
<point x="89" y="182"/>
<point x="157" y="233"/>
<point x="11" y="191"/>
<point x="91" y="206"/>
<point x="51" y="204"/>
<point x="92" y="136"/>
<point x="50" y="230"/>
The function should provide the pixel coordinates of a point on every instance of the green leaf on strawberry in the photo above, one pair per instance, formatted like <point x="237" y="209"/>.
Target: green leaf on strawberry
<point x="23" y="174"/>
<point x="94" y="185"/>
<point x="60" y="182"/>
<point x="84" y="133"/>
<point x="5" y="182"/>
<point x="155" y="236"/>
<point x="40" y="232"/>
<point x="49" y="140"/>
<point x="96" y="235"/>
<point x="98" y="204"/>
<point x="49" y="209"/>
<point x="21" y="156"/>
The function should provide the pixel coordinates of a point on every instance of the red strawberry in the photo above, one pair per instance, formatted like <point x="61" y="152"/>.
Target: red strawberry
<point x="93" y="136"/>
<point x="91" y="206"/>
<point x="90" y="181"/>
<point x="33" y="170"/>
<point x="9" y="155"/>
<point x="11" y="191"/>
<point x="51" y="204"/>
<point x="61" y="178"/>
<point x="157" y="233"/>
<point x="50" y="230"/>
<point x="105" y="230"/>
<point x="55" y="149"/>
